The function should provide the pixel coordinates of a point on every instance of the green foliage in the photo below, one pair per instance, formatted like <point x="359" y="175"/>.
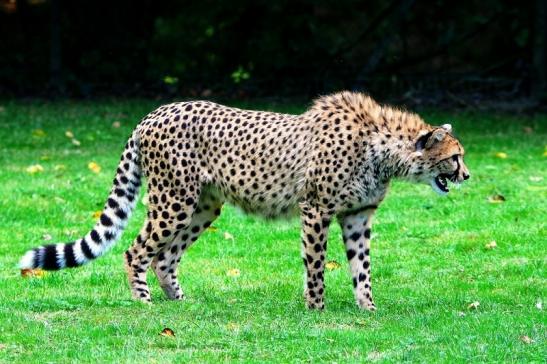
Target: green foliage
<point x="429" y="253"/>
<point x="304" y="47"/>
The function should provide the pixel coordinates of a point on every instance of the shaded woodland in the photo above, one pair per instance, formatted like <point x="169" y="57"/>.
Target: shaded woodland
<point x="429" y="51"/>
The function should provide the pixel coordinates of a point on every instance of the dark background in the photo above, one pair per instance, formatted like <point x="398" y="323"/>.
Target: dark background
<point x="421" y="52"/>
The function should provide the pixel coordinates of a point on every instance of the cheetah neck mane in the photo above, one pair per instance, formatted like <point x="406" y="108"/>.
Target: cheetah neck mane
<point x="385" y="128"/>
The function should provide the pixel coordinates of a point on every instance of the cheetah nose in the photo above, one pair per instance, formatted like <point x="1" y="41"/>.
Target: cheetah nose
<point x="466" y="176"/>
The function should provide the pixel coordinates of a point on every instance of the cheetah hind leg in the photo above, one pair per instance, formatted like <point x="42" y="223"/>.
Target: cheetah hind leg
<point x="166" y="262"/>
<point x="160" y="230"/>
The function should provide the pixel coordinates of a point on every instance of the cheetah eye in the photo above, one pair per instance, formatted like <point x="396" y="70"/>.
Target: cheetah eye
<point x="455" y="157"/>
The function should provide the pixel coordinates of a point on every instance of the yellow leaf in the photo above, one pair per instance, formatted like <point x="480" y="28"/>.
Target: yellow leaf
<point x="46" y="237"/>
<point x="94" y="167"/>
<point x="232" y="326"/>
<point x="228" y="236"/>
<point x="69" y="134"/>
<point x="332" y="265"/>
<point x="501" y="155"/>
<point x="35" y="168"/>
<point x="212" y="229"/>
<point x="76" y="142"/>
<point x="116" y="124"/>
<point x="233" y="272"/>
<point x="59" y="167"/>
<point x="473" y="305"/>
<point x="32" y="273"/>
<point x="97" y="214"/>
<point x="491" y="245"/>
<point x="526" y="339"/>
<point x="167" y="332"/>
<point x="38" y="133"/>
<point x="497" y="198"/>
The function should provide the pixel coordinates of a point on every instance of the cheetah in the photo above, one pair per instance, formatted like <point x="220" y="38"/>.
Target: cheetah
<point x="335" y="160"/>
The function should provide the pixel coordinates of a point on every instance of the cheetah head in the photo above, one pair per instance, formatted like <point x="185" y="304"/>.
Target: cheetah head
<point x="438" y="158"/>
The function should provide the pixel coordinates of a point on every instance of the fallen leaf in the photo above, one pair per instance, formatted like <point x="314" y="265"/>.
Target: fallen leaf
<point x="69" y="134"/>
<point x="35" y="168"/>
<point x="332" y="265"/>
<point x="59" y="167"/>
<point x="361" y="322"/>
<point x="76" y="142"/>
<point x="59" y="200"/>
<point x="46" y="237"/>
<point x="461" y="314"/>
<point x="233" y="272"/>
<point x="329" y="340"/>
<point x="536" y="178"/>
<point x="501" y="155"/>
<point x="232" y="326"/>
<point x="491" y="245"/>
<point x="527" y="130"/>
<point x="228" y="236"/>
<point x="473" y="305"/>
<point x="539" y="305"/>
<point x="2" y="346"/>
<point x="497" y="198"/>
<point x="97" y="214"/>
<point x="94" y="167"/>
<point x="167" y="332"/>
<point x="38" y="133"/>
<point x="116" y="124"/>
<point x="212" y="228"/>
<point x="32" y="273"/>
<point x="526" y="339"/>
<point x="2" y="109"/>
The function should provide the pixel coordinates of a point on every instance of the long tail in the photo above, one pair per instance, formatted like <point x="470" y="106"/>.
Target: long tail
<point x="117" y="210"/>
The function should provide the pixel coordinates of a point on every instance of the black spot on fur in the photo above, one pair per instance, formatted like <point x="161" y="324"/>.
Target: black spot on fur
<point x="350" y="254"/>
<point x="105" y="220"/>
<point x="70" y="258"/>
<point x="95" y="236"/>
<point x="86" y="250"/>
<point x="50" y="258"/>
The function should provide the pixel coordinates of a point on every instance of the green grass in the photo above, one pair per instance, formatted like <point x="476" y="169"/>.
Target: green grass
<point x="429" y="259"/>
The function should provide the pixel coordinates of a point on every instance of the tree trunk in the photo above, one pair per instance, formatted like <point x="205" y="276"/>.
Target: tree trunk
<point x="539" y="82"/>
<point x="55" y="76"/>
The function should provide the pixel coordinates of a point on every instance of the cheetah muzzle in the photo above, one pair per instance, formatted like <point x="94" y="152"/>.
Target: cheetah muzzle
<point x="333" y="162"/>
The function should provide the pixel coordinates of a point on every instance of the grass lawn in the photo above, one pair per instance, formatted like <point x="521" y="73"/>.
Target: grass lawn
<point x="429" y="259"/>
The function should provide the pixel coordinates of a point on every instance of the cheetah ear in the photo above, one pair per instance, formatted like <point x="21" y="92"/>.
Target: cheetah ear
<point x="436" y="136"/>
<point x="447" y="127"/>
<point x="423" y="136"/>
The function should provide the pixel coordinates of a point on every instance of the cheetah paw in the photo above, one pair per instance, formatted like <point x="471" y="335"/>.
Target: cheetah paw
<point x="366" y="305"/>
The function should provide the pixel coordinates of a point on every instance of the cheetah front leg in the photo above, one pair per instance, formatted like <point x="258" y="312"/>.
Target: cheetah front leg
<point x="356" y="235"/>
<point x="315" y="225"/>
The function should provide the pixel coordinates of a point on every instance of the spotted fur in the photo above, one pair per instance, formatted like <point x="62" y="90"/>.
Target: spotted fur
<point x="334" y="160"/>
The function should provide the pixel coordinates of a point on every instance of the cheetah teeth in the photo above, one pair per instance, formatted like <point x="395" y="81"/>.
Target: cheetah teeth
<point x="440" y="185"/>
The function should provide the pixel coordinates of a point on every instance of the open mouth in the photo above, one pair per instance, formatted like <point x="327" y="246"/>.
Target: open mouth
<point x="440" y="183"/>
